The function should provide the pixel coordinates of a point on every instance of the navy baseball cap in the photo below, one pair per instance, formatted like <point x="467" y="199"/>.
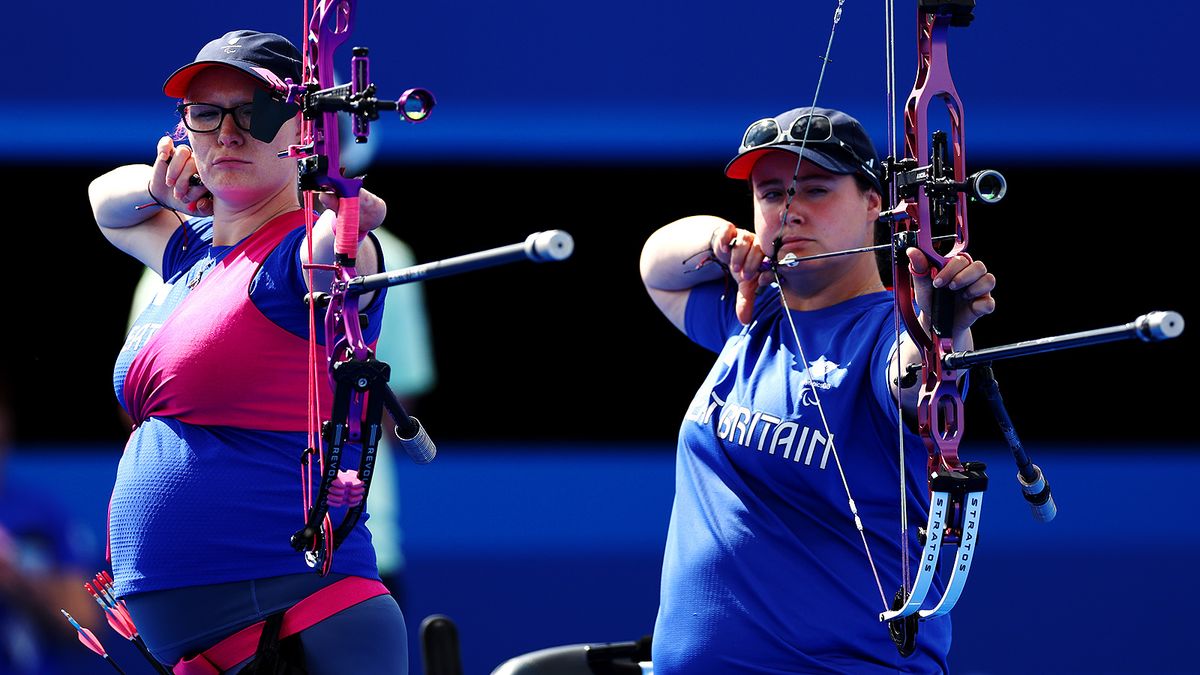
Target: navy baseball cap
<point x="266" y="57"/>
<point x="832" y="140"/>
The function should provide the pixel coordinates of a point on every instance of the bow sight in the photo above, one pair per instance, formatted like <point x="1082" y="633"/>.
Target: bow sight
<point x="357" y="99"/>
<point x="987" y="186"/>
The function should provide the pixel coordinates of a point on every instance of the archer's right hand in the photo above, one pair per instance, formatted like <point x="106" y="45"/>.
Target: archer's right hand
<point x="174" y="182"/>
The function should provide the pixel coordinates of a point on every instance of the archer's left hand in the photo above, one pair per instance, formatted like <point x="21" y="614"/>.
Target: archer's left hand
<point x="972" y="285"/>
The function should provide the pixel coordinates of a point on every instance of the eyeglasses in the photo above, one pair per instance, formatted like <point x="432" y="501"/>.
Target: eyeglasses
<point x="203" y="118"/>
<point x="805" y="130"/>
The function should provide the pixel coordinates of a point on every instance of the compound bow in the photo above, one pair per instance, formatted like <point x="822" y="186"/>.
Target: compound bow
<point x="359" y="380"/>
<point x="932" y="183"/>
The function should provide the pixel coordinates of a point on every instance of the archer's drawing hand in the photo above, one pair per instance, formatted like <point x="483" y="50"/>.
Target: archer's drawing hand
<point x="739" y="251"/>
<point x="172" y="182"/>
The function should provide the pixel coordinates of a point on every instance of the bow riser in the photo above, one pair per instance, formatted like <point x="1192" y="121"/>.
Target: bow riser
<point x="938" y="204"/>
<point x="935" y="83"/>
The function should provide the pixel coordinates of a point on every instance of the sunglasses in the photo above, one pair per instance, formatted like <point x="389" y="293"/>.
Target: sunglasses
<point x="805" y="130"/>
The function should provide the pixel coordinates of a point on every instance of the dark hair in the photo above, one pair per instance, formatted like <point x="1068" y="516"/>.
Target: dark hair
<point x="864" y="184"/>
<point x="883" y="235"/>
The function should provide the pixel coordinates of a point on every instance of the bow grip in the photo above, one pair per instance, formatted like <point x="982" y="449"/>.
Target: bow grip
<point x="346" y="234"/>
<point x="942" y="312"/>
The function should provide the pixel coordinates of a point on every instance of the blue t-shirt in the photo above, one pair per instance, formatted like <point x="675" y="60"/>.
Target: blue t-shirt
<point x="204" y="504"/>
<point x="764" y="570"/>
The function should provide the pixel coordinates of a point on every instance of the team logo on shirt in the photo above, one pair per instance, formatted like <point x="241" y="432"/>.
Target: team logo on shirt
<point x="822" y="375"/>
<point x="761" y="431"/>
<point x="773" y="434"/>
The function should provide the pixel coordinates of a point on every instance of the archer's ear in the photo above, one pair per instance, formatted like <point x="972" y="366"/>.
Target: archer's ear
<point x="874" y="203"/>
<point x="289" y="133"/>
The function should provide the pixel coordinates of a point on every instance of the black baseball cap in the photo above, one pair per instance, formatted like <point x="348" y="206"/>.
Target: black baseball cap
<point x="835" y="142"/>
<point x="267" y="57"/>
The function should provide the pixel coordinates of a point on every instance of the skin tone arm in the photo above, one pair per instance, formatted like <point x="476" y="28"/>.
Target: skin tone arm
<point x="144" y="233"/>
<point x="670" y="255"/>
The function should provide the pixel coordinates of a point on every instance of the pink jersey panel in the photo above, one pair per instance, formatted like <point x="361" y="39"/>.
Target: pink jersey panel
<point x="217" y="360"/>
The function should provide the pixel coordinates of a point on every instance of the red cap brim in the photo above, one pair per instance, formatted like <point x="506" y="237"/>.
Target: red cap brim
<point x="177" y="84"/>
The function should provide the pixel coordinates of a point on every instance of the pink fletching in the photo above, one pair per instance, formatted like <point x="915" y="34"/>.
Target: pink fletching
<point x="114" y="611"/>
<point x="121" y="624"/>
<point x="90" y="641"/>
<point x="85" y="635"/>
<point x="346" y="490"/>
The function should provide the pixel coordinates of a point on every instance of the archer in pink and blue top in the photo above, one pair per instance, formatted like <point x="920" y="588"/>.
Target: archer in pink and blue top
<point x="214" y="376"/>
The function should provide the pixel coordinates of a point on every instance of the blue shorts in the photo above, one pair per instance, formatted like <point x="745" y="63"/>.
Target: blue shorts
<point x="181" y="622"/>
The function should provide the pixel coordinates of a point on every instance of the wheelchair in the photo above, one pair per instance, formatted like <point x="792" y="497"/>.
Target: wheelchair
<point x="441" y="656"/>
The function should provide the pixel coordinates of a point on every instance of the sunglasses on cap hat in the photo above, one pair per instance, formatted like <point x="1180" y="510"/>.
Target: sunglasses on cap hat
<point x="806" y="129"/>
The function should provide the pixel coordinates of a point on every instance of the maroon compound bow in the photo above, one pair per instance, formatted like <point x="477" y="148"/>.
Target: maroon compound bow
<point x="932" y="188"/>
